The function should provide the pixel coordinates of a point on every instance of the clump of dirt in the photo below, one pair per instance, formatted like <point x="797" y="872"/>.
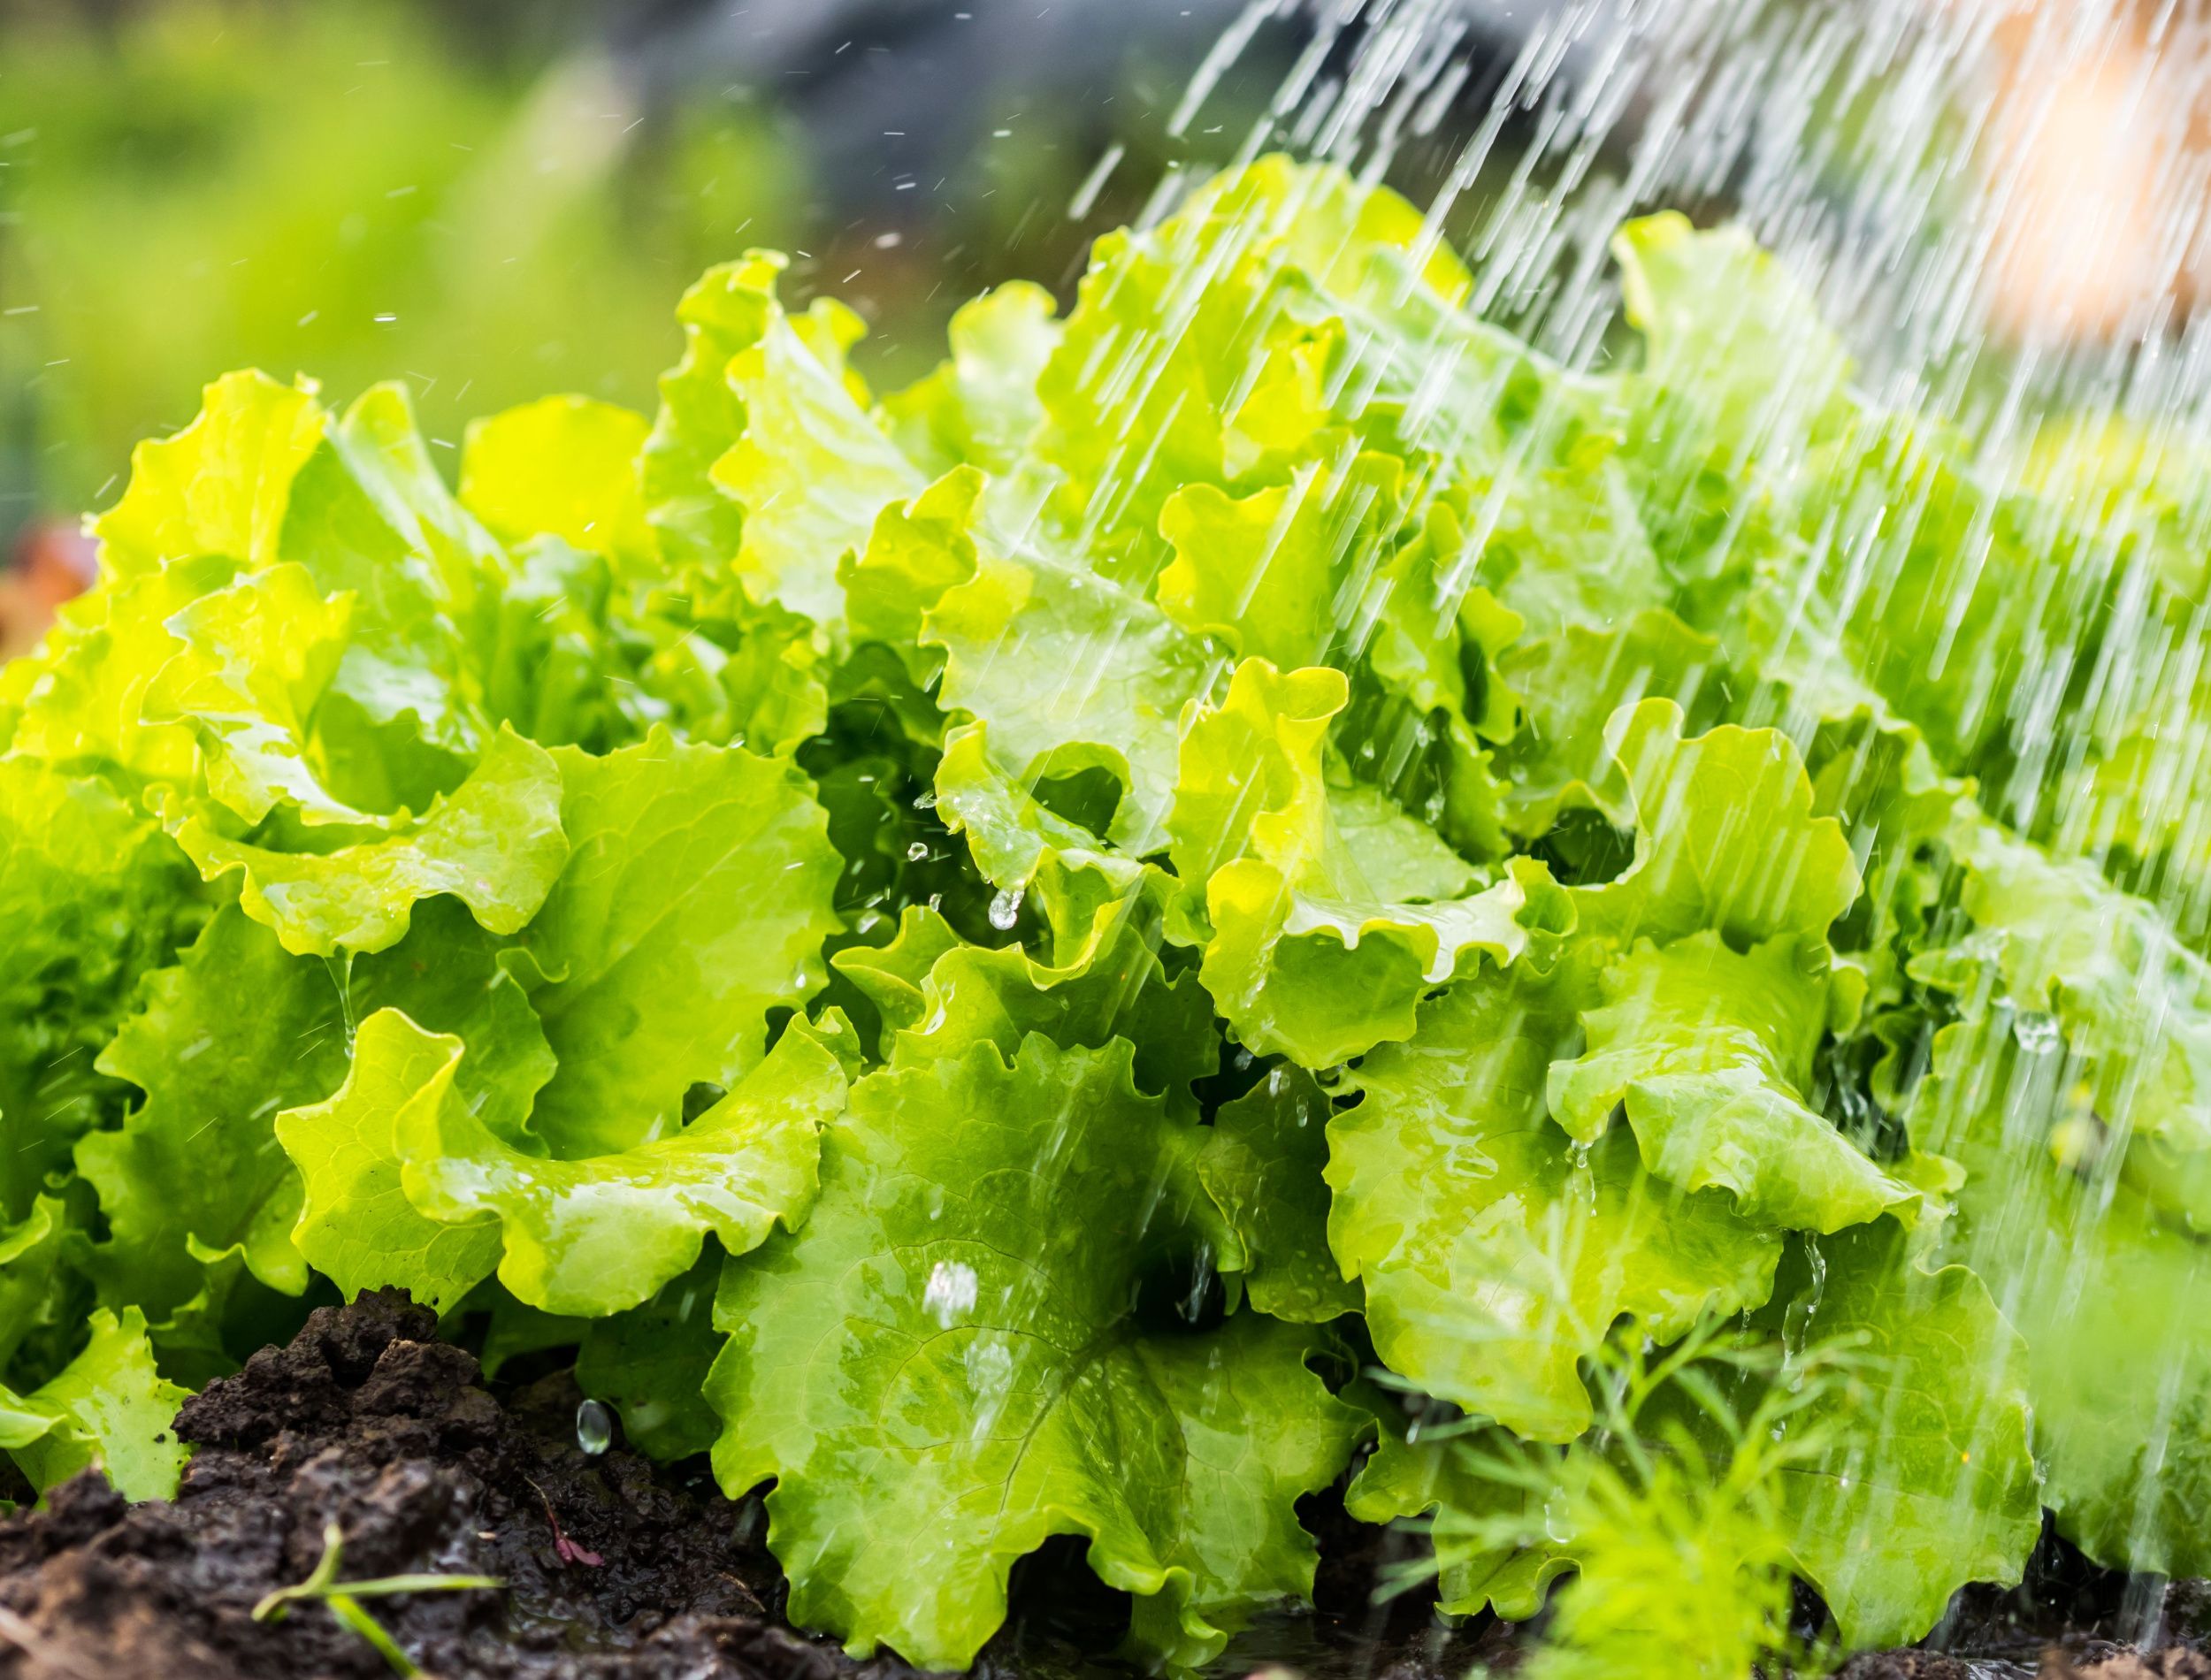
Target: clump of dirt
<point x="615" y="1566"/>
<point x="368" y="1421"/>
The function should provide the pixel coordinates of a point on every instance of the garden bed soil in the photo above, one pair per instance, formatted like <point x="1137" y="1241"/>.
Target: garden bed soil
<point x="616" y="1567"/>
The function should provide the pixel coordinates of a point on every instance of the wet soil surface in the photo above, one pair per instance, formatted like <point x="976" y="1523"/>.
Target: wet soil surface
<point x="615" y="1567"/>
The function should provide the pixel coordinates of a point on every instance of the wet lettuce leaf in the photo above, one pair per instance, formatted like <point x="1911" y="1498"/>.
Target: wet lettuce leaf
<point x="994" y="1376"/>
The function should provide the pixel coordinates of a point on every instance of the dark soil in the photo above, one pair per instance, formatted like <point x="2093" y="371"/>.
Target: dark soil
<point x="615" y="1566"/>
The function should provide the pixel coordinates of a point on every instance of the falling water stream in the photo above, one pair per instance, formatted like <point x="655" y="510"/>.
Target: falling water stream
<point x="2001" y="210"/>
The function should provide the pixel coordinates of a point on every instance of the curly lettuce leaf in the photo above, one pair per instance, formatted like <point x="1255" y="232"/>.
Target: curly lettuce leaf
<point x="1201" y="351"/>
<point x="701" y="414"/>
<point x="1301" y="960"/>
<point x="813" y="468"/>
<point x="1098" y="976"/>
<point x="1920" y="1478"/>
<point x="662" y="946"/>
<point x="1011" y="832"/>
<point x="1710" y="1053"/>
<point x="108" y="1407"/>
<point x="237" y="1031"/>
<point x="371" y="519"/>
<point x="240" y="1031"/>
<point x="32" y="1273"/>
<point x="219" y="486"/>
<point x="2133" y="1003"/>
<point x="93" y="897"/>
<point x="1069" y="671"/>
<point x="1263" y="1167"/>
<point x="1737" y="363"/>
<point x="563" y="467"/>
<point x="79" y="697"/>
<point x="650" y="1363"/>
<point x="1442" y="1472"/>
<point x="1495" y="1253"/>
<point x="1281" y="574"/>
<point x="494" y="843"/>
<point x="980" y="407"/>
<point x="1725" y="837"/>
<point x="916" y="550"/>
<point x="256" y="656"/>
<point x="588" y="1237"/>
<point x="357" y="1225"/>
<point x="990" y="1385"/>
<point x="2086" y="1267"/>
<point x="1571" y="684"/>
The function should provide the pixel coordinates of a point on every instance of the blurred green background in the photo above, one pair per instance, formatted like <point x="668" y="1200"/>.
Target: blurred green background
<point x="358" y="191"/>
<point x="496" y="199"/>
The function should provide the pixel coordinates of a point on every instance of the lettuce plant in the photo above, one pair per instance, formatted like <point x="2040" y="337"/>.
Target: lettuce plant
<point x="981" y="949"/>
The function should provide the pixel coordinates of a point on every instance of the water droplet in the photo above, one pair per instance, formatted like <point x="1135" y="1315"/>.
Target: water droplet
<point x="1005" y="908"/>
<point x="1557" y="1520"/>
<point x="950" y="1293"/>
<point x="918" y="851"/>
<point x="594" y="1428"/>
<point x="2037" y="1035"/>
<point x="926" y="802"/>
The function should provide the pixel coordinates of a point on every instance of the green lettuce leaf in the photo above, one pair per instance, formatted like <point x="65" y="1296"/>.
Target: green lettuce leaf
<point x="1736" y="359"/>
<point x="1725" y="837"/>
<point x="981" y="406"/>
<point x="1008" y="829"/>
<point x="108" y="1407"/>
<point x="219" y="486"/>
<point x="1442" y="1472"/>
<point x="1070" y="671"/>
<point x="1709" y="1051"/>
<point x="586" y="1238"/>
<point x="1279" y="575"/>
<point x="1571" y="684"/>
<point x="1263" y="1167"/>
<point x="812" y="468"/>
<point x="31" y="1274"/>
<point x="241" y="1031"/>
<point x="563" y="467"/>
<point x="1301" y="960"/>
<point x="2133" y="1003"/>
<point x="650" y="1364"/>
<point x="701" y="414"/>
<point x="494" y="843"/>
<point x="1495" y="1253"/>
<point x="2082" y="1264"/>
<point x="256" y="656"/>
<point x="990" y="1387"/>
<point x="916" y="550"/>
<point x="1200" y="351"/>
<point x="79" y="697"/>
<point x="1099" y="976"/>
<point x="93" y="897"/>
<point x="356" y="1225"/>
<point x="661" y="948"/>
<point x="1922" y="1478"/>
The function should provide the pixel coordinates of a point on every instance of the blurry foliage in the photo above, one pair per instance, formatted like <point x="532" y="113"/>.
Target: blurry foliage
<point x="352" y="190"/>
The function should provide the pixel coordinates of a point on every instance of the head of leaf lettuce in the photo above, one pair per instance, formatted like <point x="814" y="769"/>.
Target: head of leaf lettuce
<point x="1251" y="885"/>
